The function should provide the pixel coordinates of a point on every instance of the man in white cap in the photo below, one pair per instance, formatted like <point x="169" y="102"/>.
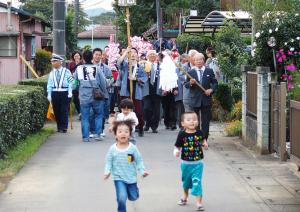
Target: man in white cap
<point x="59" y="89"/>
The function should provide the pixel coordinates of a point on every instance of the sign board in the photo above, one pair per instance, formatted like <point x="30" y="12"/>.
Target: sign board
<point x="126" y="3"/>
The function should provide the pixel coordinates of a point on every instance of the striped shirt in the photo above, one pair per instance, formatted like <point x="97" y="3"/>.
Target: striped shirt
<point x="124" y="164"/>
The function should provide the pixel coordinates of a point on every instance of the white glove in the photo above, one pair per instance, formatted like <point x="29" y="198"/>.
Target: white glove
<point x="49" y="98"/>
<point x="70" y="95"/>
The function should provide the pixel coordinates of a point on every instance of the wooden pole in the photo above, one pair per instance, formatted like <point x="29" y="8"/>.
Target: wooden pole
<point x="189" y="76"/>
<point x="29" y="66"/>
<point x="129" y="53"/>
<point x="71" y="116"/>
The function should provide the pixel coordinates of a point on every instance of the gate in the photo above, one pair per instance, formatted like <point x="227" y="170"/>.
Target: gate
<point x="278" y="120"/>
<point x="294" y="131"/>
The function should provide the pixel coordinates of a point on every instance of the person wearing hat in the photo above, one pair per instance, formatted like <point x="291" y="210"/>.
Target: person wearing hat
<point x="59" y="89"/>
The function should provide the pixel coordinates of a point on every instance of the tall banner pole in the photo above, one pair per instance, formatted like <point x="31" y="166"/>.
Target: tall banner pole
<point x="129" y="53"/>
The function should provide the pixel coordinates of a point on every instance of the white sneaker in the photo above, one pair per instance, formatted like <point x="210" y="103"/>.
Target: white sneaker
<point x="91" y="135"/>
<point x="102" y="134"/>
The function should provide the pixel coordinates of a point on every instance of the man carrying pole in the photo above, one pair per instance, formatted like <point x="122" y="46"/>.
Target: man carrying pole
<point x="132" y="76"/>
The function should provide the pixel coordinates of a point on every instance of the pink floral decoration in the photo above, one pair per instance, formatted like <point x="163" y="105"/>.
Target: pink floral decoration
<point x="280" y="56"/>
<point x="290" y="67"/>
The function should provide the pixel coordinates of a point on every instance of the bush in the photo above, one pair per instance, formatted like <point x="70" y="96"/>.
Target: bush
<point x="42" y="82"/>
<point x="22" y="111"/>
<point x="237" y="94"/>
<point x="236" y="113"/>
<point x="223" y="95"/>
<point x="42" y="62"/>
<point x="200" y="43"/>
<point x="234" y="128"/>
<point x="231" y="50"/>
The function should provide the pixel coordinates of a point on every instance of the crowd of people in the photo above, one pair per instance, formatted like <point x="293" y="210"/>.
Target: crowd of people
<point x="134" y="96"/>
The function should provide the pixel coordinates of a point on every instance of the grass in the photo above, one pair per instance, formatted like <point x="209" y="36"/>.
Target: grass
<point x="18" y="155"/>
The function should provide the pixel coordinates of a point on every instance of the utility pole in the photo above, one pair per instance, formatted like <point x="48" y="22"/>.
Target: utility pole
<point x="59" y="40"/>
<point x="159" y="27"/>
<point x="76" y="17"/>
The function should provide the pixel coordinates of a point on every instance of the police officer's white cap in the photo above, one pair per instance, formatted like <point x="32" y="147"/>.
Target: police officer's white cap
<point x="56" y="57"/>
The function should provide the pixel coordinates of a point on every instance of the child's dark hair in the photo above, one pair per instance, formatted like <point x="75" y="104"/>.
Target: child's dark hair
<point x="129" y="123"/>
<point x="186" y="113"/>
<point x="127" y="103"/>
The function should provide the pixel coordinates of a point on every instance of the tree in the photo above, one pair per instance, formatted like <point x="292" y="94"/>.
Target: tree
<point x="71" y="38"/>
<point x="143" y="15"/>
<point x="104" y="18"/>
<point x="231" y="50"/>
<point x="42" y="8"/>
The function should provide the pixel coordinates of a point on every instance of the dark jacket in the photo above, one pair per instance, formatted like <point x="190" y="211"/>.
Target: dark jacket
<point x="197" y="96"/>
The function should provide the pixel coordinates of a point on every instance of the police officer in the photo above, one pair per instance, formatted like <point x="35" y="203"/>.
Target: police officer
<point x="59" y="90"/>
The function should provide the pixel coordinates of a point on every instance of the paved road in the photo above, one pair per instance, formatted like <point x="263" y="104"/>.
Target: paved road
<point x="66" y="175"/>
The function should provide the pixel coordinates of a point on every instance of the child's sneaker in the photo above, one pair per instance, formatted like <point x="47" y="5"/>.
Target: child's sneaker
<point x="182" y="202"/>
<point x="200" y="207"/>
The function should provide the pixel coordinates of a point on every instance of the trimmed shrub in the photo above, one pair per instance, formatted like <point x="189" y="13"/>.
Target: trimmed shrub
<point x="42" y="62"/>
<point x="42" y="82"/>
<point x="223" y="95"/>
<point x="22" y="111"/>
<point x="200" y="43"/>
<point x="234" y="128"/>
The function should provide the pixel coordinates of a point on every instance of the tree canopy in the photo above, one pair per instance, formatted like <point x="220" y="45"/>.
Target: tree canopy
<point x="143" y="15"/>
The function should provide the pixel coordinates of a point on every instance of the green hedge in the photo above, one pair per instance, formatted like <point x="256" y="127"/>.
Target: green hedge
<point x="42" y="82"/>
<point x="22" y="111"/>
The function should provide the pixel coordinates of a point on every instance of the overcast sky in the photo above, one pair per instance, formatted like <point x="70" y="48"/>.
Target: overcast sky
<point x="88" y="4"/>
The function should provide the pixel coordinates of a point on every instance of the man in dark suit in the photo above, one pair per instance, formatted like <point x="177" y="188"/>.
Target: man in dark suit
<point x="200" y="100"/>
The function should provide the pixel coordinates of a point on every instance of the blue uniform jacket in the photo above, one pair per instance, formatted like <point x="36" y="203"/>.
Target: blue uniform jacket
<point x="122" y="81"/>
<point x="66" y="81"/>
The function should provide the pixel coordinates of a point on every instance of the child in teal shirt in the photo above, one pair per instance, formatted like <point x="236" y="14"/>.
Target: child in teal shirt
<point x="123" y="161"/>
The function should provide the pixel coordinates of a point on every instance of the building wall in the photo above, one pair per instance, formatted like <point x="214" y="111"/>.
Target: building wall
<point x="98" y="43"/>
<point x="12" y="69"/>
<point x="3" y="21"/>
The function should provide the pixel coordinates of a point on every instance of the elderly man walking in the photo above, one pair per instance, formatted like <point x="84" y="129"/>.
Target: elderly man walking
<point x="201" y="101"/>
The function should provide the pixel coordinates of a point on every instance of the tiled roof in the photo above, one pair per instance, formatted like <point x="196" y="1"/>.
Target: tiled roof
<point x="99" y="31"/>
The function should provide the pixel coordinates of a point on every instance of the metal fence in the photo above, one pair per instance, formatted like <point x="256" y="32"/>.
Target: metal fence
<point x="252" y="93"/>
<point x="294" y="131"/>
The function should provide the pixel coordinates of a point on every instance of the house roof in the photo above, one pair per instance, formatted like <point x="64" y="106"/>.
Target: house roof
<point x="216" y="19"/>
<point x="25" y="13"/>
<point x="100" y="31"/>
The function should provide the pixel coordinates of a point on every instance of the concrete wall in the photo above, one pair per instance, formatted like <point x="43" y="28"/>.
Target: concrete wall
<point x="255" y="130"/>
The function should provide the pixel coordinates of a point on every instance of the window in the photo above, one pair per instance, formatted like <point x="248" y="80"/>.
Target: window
<point x="8" y="46"/>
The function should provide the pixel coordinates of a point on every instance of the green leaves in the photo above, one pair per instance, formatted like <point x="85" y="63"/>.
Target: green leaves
<point x="231" y="50"/>
<point x="185" y="42"/>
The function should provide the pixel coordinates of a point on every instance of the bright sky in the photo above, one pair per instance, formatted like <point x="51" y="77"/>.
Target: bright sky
<point x="86" y="4"/>
<point x="89" y="4"/>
